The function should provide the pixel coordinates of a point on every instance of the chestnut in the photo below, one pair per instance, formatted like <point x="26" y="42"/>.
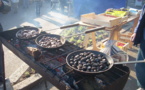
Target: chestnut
<point x="87" y="61"/>
<point x="79" y="62"/>
<point x="71" y="63"/>
<point x="89" y="67"/>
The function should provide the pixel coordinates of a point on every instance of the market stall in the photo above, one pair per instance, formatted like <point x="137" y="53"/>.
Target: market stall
<point x="50" y="61"/>
<point x="114" y="25"/>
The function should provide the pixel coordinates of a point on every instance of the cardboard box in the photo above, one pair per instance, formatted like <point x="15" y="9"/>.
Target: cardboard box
<point x="122" y="45"/>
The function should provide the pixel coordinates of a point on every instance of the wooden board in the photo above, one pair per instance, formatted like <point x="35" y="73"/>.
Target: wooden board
<point x="101" y="19"/>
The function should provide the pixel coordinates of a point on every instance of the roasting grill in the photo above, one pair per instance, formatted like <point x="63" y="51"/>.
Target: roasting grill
<point x="52" y="66"/>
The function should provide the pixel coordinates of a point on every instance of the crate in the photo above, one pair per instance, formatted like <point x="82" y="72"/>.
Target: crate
<point x="102" y="19"/>
<point x="122" y="45"/>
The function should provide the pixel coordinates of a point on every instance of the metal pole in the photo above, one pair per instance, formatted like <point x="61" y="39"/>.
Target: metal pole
<point x="126" y="3"/>
<point x="2" y="66"/>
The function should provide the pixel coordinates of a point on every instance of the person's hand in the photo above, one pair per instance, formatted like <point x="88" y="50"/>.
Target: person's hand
<point x="132" y="37"/>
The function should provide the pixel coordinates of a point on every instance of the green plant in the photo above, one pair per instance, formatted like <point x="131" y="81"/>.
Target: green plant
<point x="81" y="28"/>
<point x="72" y="39"/>
<point x="27" y="74"/>
<point x="82" y="37"/>
<point x="76" y="40"/>
<point x="90" y="40"/>
<point x="79" y="41"/>
<point x="32" y="71"/>
<point x="75" y="43"/>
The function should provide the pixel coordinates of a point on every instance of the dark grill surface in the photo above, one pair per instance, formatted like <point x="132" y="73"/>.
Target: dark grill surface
<point x="52" y="66"/>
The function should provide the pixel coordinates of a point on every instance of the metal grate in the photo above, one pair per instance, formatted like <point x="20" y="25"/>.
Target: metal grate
<point x="52" y="66"/>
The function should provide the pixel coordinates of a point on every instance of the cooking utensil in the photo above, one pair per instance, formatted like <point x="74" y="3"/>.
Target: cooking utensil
<point x="109" y="59"/>
<point x="88" y="31"/>
<point x="63" y="27"/>
<point x="91" y="51"/>
<point x="62" y="39"/>
<point x="28" y="28"/>
<point x="71" y="25"/>
<point x="130" y="62"/>
<point x="50" y="35"/>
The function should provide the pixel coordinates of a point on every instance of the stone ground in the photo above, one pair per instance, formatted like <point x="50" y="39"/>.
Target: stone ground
<point x="48" y="20"/>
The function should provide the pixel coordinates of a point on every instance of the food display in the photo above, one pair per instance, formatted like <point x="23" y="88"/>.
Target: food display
<point x="49" y="42"/>
<point x="89" y="62"/>
<point x="78" y="40"/>
<point x="27" y="33"/>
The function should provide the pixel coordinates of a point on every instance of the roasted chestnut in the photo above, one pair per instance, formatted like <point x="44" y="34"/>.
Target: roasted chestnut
<point x="49" y="42"/>
<point x="89" y="62"/>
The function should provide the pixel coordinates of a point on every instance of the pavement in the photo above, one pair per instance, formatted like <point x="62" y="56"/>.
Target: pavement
<point x="48" y="20"/>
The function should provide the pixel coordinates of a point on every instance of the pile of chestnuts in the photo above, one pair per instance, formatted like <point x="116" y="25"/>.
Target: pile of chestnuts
<point x="26" y="34"/>
<point x="49" y="42"/>
<point x="89" y="62"/>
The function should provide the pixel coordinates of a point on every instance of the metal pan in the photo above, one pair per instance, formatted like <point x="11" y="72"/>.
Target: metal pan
<point x="109" y="59"/>
<point x="94" y="52"/>
<point x="50" y="35"/>
<point x="27" y="28"/>
<point x="62" y="39"/>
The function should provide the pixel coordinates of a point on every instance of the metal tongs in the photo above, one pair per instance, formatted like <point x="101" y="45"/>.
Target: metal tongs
<point x="63" y="27"/>
<point x="88" y="31"/>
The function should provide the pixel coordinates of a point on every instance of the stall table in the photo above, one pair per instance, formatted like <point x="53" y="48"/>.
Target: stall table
<point x="114" y="31"/>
